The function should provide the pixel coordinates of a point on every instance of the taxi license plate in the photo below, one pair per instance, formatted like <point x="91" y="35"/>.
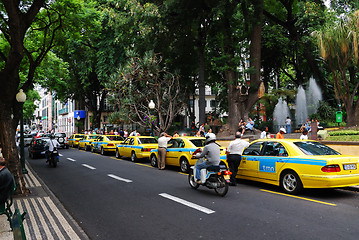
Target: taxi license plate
<point x="350" y="166"/>
<point x="226" y="177"/>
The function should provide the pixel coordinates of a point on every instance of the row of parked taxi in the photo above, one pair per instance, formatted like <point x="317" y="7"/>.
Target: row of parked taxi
<point x="292" y="164"/>
<point x="179" y="152"/>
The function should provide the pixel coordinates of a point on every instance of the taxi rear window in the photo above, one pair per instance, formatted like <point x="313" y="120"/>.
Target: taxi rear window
<point x="146" y="140"/>
<point x="114" y="138"/>
<point x="315" y="148"/>
<point x="198" y="142"/>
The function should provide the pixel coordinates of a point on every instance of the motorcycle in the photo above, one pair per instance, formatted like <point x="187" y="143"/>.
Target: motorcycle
<point x="212" y="177"/>
<point x="53" y="158"/>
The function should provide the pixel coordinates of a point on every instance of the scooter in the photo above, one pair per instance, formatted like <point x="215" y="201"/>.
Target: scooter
<point x="213" y="177"/>
<point x="53" y="158"/>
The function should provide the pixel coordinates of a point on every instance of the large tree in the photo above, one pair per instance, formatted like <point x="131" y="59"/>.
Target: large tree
<point x="339" y="46"/>
<point x="20" y="21"/>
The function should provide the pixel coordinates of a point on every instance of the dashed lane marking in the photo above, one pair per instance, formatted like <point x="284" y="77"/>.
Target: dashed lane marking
<point x="187" y="203"/>
<point x="119" y="178"/>
<point x="73" y="160"/>
<point x="88" y="166"/>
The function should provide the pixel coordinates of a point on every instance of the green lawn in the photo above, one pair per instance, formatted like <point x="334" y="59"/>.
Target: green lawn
<point x="345" y="138"/>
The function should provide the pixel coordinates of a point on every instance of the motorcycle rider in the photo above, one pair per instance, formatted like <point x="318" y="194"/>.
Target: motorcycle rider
<point x="211" y="152"/>
<point x="52" y="144"/>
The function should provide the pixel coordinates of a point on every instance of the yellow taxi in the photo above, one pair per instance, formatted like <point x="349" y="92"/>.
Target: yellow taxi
<point x="180" y="151"/>
<point x="136" y="147"/>
<point x="85" y="142"/>
<point x="74" y="139"/>
<point x="106" y="143"/>
<point x="294" y="164"/>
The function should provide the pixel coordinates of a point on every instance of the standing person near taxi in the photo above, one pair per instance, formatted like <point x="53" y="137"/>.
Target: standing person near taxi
<point x="234" y="156"/>
<point x="162" y="150"/>
<point x="279" y="135"/>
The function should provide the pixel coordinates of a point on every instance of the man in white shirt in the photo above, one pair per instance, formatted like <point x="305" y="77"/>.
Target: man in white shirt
<point x="162" y="150"/>
<point x="234" y="155"/>
<point x="264" y="133"/>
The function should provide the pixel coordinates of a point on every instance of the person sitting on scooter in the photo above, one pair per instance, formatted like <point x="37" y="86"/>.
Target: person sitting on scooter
<point x="211" y="152"/>
<point x="53" y="143"/>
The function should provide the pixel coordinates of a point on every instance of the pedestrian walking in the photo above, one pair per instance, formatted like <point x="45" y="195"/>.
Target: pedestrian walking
<point x="234" y="156"/>
<point x="264" y="133"/>
<point x="162" y="150"/>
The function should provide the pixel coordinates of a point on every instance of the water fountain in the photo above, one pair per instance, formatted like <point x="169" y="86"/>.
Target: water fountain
<point x="280" y="114"/>
<point x="314" y="95"/>
<point x="306" y="103"/>
<point x="301" y="111"/>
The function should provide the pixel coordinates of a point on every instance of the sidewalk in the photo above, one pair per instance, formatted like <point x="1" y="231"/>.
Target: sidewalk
<point x="46" y="218"/>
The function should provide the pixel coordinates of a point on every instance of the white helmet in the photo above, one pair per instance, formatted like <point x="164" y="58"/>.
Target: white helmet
<point x="210" y="137"/>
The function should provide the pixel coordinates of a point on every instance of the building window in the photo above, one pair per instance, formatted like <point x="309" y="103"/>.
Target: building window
<point x="213" y="103"/>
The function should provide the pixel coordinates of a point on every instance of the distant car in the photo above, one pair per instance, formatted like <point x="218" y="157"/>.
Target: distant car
<point x="294" y="164"/>
<point x="37" y="147"/>
<point x="74" y="139"/>
<point x="106" y="143"/>
<point x="180" y="152"/>
<point x="136" y="147"/>
<point x="62" y="139"/>
<point x="27" y="139"/>
<point x="85" y="143"/>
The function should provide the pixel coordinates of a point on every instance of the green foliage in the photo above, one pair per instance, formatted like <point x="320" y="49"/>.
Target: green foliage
<point x="344" y="132"/>
<point x="29" y="105"/>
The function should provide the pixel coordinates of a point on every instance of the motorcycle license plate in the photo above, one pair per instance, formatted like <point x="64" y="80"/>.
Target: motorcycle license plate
<point x="226" y="177"/>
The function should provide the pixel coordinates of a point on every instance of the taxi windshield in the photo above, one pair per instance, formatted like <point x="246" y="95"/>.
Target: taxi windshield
<point x="198" y="142"/>
<point x="146" y="140"/>
<point x="315" y="148"/>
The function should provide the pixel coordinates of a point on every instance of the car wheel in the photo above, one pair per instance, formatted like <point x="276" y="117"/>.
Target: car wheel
<point x="86" y="148"/>
<point x="117" y="154"/>
<point x="67" y="146"/>
<point x="79" y="147"/>
<point x="31" y="155"/>
<point x="184" y="165"/>
<point x="133" y="157"/>
<point x="290" y="182"/>
<point x="72" y="145"/>
<point x="191" y="180"/>
<point x="61" y="140"/>
<point x="92" y="149"/>
<point x="153" y="160"/>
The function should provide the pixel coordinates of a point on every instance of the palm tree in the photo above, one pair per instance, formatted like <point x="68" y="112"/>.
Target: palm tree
<point x="338" y="44"/>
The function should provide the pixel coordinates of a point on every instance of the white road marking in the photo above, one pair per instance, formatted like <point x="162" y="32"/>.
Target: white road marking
<point x="119" y="178"/>
<point x="188" y="204"/>
<point x="73" y="160"/>
<point x="61" y="155"/>
<point x="88" y="166"/>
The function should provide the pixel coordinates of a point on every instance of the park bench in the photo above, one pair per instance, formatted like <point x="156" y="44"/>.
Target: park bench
<point x="15" y="219"/>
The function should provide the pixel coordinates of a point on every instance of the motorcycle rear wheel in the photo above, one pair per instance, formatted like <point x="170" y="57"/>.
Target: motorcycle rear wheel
<point x="222" y="191"/>
<point x="191" y="180"/>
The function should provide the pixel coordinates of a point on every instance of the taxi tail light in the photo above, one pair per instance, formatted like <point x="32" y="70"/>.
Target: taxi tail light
<point x="146" y="150"/>
<point x="110" y="145"/>
<point x="198" y="150"/>
<point x="224" y="173"/>
<point x="331" y="168"/>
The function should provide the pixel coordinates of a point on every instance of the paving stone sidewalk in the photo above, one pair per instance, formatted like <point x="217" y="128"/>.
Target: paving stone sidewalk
<point x="46" y="218"/>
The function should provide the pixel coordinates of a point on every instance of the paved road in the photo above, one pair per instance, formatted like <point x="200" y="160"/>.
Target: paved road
<point x="117" y="199"/>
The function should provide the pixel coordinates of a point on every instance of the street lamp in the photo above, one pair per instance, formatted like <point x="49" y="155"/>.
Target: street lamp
<point x="21" y="98"/>
<point x="152" y="106"/>
<point x="78" y="123"/>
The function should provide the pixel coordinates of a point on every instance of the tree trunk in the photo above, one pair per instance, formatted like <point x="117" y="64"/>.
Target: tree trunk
<point x="201" y="84"/>
<point x="9" y="149"/>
